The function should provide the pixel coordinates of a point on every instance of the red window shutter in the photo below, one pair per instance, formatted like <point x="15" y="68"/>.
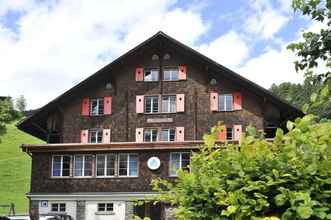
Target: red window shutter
<point x="182" y="72"/>
<point x="139" y="104"/>
<point x="180" y="133"/>
<point x="139" y="135"/>
<point x="180" y="102"/>
<point x="84" y="136"/>
<point x="237" y="101"/>
<point x="107" y="105"/>
<point x="214" y="101"/>
<point x="106" y="136"/>
<point x="222" y="133"/>
<point x="86" y="107"/>
<point x="237" y="129"/>
<point x="139" y="74"/>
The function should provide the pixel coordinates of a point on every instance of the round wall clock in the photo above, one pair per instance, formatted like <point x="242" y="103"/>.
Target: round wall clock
<point x="153" y="163"/>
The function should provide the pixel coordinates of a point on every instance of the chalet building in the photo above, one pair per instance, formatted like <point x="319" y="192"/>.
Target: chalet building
<point x="137" y="118"/>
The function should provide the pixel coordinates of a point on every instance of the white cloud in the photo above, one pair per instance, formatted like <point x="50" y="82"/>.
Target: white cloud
<point x="272" y="66"/>
<point x="265" y="21"/>
<point x="229" y="50"/>
<point x="59" y="43"/>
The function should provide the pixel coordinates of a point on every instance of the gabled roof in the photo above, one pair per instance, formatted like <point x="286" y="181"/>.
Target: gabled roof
<point x="32" y="125"/>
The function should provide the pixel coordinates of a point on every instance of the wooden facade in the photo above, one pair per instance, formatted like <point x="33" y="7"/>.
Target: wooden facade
<point x="65" y="122"/>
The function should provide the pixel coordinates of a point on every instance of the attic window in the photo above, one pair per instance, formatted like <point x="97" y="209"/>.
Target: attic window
<point x="155" y="57"/>
<point x="166" y="56"/>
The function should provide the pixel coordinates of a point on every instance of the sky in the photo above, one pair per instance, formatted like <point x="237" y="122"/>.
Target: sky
<point x="48" y="46"/>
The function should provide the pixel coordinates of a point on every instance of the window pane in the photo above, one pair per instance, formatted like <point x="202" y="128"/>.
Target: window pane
<point x="66" y="166"/>
<point x="55" y="207"/>
<point x="154" y="134"/>
<point x="185" y="161"/>
<point x="100" y="165"/>
<point x="147" y="135"/>
<point x="133" y="165"/>
<point x="228" y="103"/>
<point x="174" y="163"/>
<point x="164" y="136"/>
<point x="78" y="165"/>
<point x="88" y="165"/>
<point x="62" y="207"/>
<point x="221" y="103"/>
<point x="101" y="207"/>
<point x="169" y="103"/>
<point x="94" y="107"/>
<point x="172" y="134"/>
<point x="151" y="75"/>
<point x="155" y="104"/>
<point x="100" y="110"/>
<point x="93" y="136"/>
<point x="111" y="165"/>
<point x="99" y="136"/>
<point x="123" y="165"/>
<point x="110" y="207"/>
<point x="56" y="166"/>
<point x="229" y="133"/>
<point x="170" y="74"/>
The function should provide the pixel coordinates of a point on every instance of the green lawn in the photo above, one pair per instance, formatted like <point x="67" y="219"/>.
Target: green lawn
<point x="15" y="169"/>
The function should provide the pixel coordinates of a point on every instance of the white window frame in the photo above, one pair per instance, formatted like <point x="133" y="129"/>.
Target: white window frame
<point x="168" y="102"/>
<point x="128" y="155"/>
<point x="105" y="166"/>
<point x="230" y="128"/>
<point x="98" y="100"/>
<point x="83" y="165"/>
<point x="151" y="71"/>
<point x="106" y="207"/>
<point x="151" y="136"/>
<point x="224" y="103"/>
<point x="61" y="168"/>
<point x="168" y="138"/>
<point x="180" y="162"/>
<point x="153" y="102"/>
<point x="96" y="130"/>
<point x="58" y="207"/>
<point x="172" y="77"/>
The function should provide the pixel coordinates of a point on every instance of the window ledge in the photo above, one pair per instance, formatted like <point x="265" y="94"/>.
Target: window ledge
<point x="104" y="213"/>
<point x="160" y="113"/>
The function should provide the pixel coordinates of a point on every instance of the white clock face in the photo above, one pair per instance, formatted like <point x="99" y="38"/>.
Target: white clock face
<point x="153" y="163"/>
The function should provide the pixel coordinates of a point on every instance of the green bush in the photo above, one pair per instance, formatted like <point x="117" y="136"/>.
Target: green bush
<point x="289" y="178"/>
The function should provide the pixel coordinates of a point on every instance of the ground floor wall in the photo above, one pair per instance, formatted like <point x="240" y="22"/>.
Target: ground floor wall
<point x="86" y="207"/>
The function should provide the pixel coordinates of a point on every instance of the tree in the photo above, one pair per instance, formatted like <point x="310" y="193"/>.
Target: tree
<point x="299" y="94"/>
<point x="7" y="113"/>
<point x="289" y="178"/>
<point x="21" y="103"/>
<point x="315" y="49"/>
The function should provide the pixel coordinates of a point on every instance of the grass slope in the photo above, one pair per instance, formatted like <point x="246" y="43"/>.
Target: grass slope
<point x="15" y="169"/>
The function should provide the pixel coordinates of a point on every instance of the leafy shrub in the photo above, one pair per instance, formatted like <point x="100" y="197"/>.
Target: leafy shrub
<point x="289" y="178"/>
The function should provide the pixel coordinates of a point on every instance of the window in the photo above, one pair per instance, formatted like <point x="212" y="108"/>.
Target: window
<point x="105" y="207"/>
<point x="96" y="107"/>
<point x="95" y="136"/>
<point x="229" y="134"/>
<point x="225" y="102"/>
<point x="106" y="165"/>
<point x="151" y="104"/>
<point x="127" y="165"/>
<point x="169" y="103"/>
<point x="151" y="75"/>
<point x="83" y="165"/>
<point x="58" y="207"/>
<point x="179" y="161"/>
<point x="61" y="165"/>
<point x="168" y="134"/>
<point x="170" y="74"/>
<point x="150" y="134"/>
